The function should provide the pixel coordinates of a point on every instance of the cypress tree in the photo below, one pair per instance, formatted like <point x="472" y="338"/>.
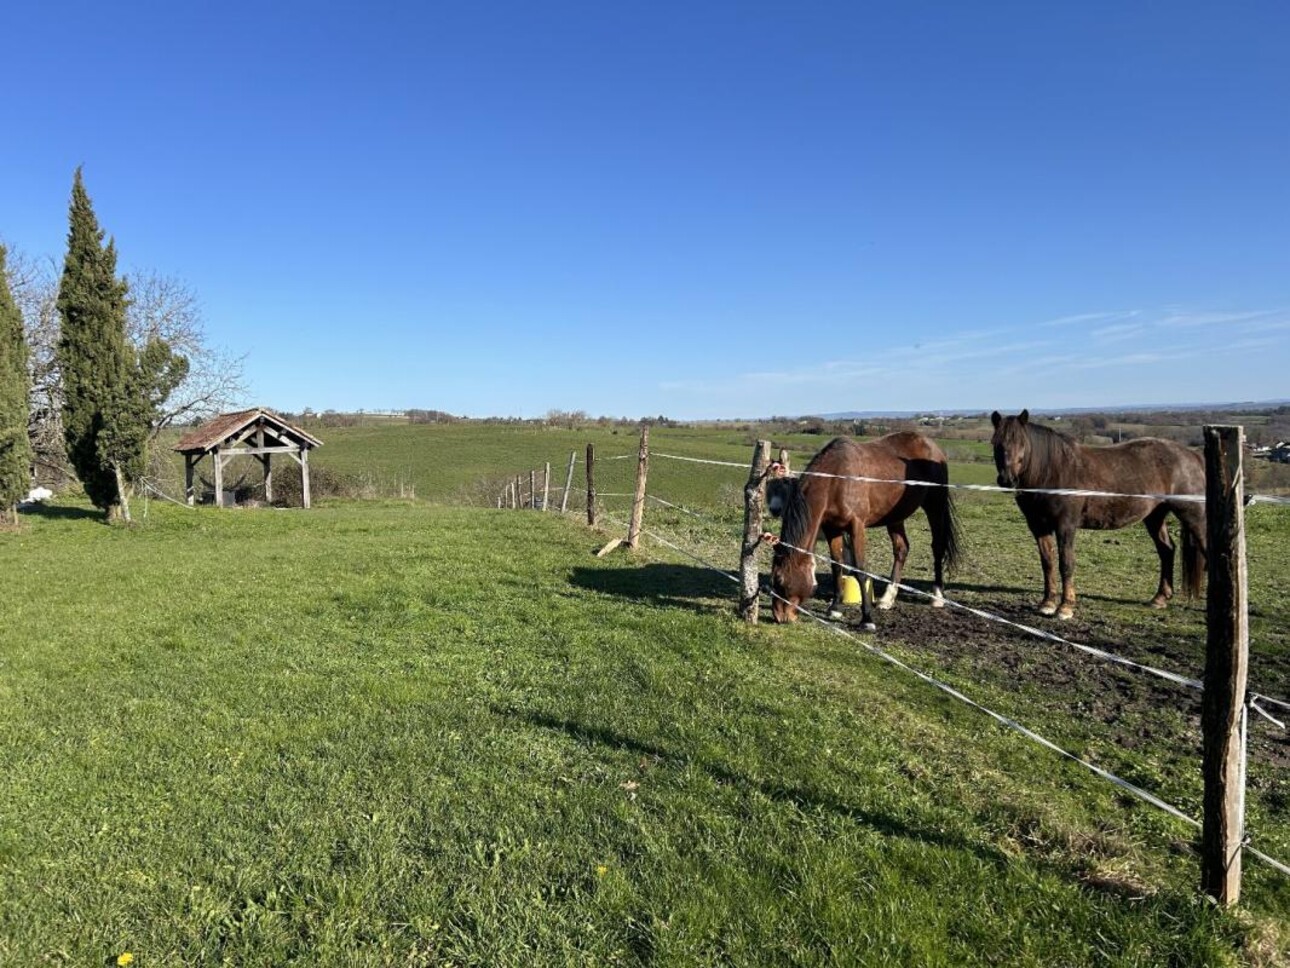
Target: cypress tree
<point x="15" y="392"/>
<point x="110" y="394"/>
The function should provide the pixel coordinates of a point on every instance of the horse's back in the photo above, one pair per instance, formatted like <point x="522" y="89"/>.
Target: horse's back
<point x="1148" y="465"/>
<point x="844" y="455"/>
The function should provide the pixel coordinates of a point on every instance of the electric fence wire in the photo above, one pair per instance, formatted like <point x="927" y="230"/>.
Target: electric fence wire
<point x="1003" y="720"/>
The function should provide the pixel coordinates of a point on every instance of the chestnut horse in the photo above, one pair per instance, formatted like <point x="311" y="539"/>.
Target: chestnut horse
<point x="1029" y="456"/>
<point x="838" y="508"/>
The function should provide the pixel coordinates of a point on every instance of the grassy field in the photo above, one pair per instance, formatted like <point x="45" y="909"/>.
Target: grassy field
<point x="408" y="733"/>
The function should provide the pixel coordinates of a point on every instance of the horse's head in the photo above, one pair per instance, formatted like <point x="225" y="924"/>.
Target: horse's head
<point x="792" y="579"/>
<point x="779" y="491"/>
<point x="1011" y="445"/>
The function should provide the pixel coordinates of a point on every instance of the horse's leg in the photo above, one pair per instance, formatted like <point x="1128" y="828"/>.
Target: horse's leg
<point x="1048" y="561"/>
<point x="866" y="586"/>
<point x="941" y="522"/>
<point x="1066" y="558"/>
<point x="836" y="550"/>
<point x="1157" y="526"/>
<point x="899" y="552"/>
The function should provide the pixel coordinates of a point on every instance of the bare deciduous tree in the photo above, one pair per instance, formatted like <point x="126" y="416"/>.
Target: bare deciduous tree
<point x="34" y="283"/>
<point x="165" y="307"/>
<point x="160" y="306"/>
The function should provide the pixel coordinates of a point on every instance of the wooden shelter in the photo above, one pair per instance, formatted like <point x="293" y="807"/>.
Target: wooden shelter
<point x="257" y="433"/>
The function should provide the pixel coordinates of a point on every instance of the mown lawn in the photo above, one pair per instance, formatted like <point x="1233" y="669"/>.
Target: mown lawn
<point x="389" y="733"/>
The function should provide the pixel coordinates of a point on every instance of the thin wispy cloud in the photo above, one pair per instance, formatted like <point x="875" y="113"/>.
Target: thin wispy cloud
<point x="1088" y="358"/>
<point x="1082" y="318"/>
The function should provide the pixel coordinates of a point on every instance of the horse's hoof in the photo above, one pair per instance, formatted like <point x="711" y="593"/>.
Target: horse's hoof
<point x="1048" y="608"/>
<point x="1159" y="602"/>
<point x="885" y="605"/>
<point x="868" y="627"/>
<point x="938" y="601"/>
<point x="1066" y="613"/>
<point x="835" y="613"/>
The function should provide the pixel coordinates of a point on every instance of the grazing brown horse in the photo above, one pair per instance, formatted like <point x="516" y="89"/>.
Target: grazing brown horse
<point x="1029" y="456"/>
<point x="838" y="508"/>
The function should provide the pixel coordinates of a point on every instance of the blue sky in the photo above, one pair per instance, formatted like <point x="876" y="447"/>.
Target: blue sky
<point x="698" y="209"/>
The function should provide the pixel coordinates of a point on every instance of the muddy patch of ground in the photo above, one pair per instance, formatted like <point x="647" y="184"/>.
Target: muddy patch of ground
<point x="1148" y="711"/>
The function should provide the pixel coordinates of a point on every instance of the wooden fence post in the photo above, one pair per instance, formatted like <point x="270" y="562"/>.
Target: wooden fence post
<point x="519" y="494"/>
<point x="1223" y="708"/>
<point x="568" y="482"/>
<point x="532" y="489"/>
<point x="754" y="507"/>
<point x="591" y="486"/>
<point x="546" y="487"/>
<point x="638" y="501"/>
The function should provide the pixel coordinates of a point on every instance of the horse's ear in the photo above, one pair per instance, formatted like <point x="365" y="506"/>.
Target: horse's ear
<point x="996" y="418"/>
<point x="1023" y="417"/>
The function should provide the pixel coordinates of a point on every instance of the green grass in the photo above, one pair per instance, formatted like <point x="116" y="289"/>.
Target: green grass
<point x="406" y="733"/>
<point x="392" y="733"/>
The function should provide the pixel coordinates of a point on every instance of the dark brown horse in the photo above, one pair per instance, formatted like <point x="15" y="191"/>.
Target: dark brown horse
<point x="1029" y="456"/>
<point x="839" y="508"/>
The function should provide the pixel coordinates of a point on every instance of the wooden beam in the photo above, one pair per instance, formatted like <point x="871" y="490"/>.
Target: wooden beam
<point x="546" y="487"/>
<point x="258" y="451"/>
<point x="1227" y="656"/>
<point x="591" y="485"/>
<point x="190" y="497"/>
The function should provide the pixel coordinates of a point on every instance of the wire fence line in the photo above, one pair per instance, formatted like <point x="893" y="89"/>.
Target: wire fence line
<point x="1006" y="721"/>
<point x="1173" y="677"/>
<point x="992" y="488"/>
<point x="1257" y="699"/>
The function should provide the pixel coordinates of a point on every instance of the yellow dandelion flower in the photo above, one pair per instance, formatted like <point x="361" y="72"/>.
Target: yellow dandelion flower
<point x="125" y="958"/>
<point x="602" y="870"/>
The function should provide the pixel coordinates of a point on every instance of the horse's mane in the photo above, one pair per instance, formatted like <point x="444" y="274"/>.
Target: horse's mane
<point x="797" y="518"/>
<point x="1049" y="447"/>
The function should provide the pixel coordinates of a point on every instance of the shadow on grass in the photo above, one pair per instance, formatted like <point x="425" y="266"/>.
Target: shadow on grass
<point x="57" y="512"/>
<point x="804" y="799"/>
<point x="677" y="586"/>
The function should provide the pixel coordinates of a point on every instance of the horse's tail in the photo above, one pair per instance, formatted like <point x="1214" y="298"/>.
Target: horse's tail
<point x="1194" y="559"/>
<point x="951" y="533"/>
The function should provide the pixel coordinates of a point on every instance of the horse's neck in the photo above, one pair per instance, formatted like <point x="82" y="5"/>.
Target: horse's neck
<point x="810" y="523"/>
<point x="1052" y="457"/>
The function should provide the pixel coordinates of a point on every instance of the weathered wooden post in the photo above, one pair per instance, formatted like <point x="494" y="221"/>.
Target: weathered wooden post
<point x="304" y="476"/>
<point x="568" y="482"/>
<point x="189" y="495"/>
<point x="1223" y="708"/>
<point x="532" y="489"/>
<point x="546" y="486"/>
<point x="754" y="508"/>
<point x="591" y="486"/>
<point x="638" y="501"/>
<point x="519" y="494"/>
<point x="219" y="478"/>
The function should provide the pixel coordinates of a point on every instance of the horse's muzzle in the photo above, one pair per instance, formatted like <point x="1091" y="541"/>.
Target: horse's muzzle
<point x="784" y="613"/>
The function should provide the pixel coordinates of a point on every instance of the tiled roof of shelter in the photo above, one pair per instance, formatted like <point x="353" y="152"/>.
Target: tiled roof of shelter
<point x="219" y="429"/>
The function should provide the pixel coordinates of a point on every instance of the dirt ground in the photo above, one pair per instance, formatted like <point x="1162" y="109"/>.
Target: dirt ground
<point x="1057" y="676"/>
